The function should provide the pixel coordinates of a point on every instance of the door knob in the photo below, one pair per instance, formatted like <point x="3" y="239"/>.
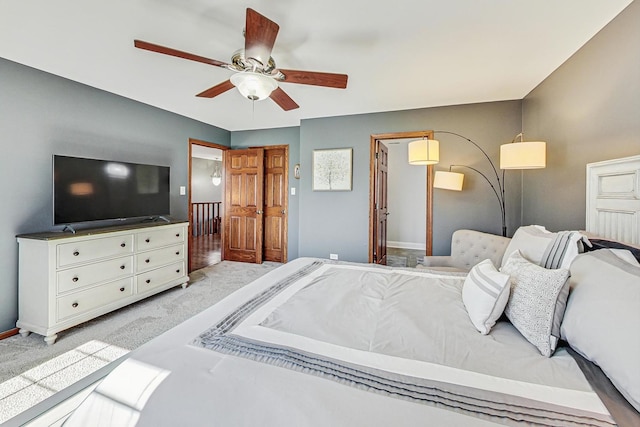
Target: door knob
<point x="283" y="211"/>
<point x="259" y="212"/>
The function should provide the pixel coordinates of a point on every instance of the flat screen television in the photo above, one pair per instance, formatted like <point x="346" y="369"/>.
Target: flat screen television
<point x="92" y="190"/>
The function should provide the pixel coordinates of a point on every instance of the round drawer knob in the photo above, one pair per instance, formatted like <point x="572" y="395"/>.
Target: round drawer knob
<point x="177" y="234"/>
<point x="122" y="245"/>
<point x="148" y="280"/>
<point x="121" y="289"/>
<point x="147" y="240"/>
<point x="74" y="305"/>
<point x="178" y="271"/>
<point x="76" y="253"/>
<point x="177" y="252"/>
<point x="147" y="260"/>
<point x="122" y="267"/>
<point x="75" y="279"/>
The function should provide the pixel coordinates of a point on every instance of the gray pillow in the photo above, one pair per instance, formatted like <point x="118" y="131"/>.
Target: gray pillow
<point x="537" y="301"/>
<point x="547" y="249"/>
<point x="602" y="320"/>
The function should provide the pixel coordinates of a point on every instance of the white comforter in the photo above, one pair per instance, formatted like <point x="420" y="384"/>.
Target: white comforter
<point x="395" y="326"/>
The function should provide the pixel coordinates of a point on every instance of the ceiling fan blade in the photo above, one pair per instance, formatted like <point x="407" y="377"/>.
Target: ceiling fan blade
<point x="259" y="36"/>
<point x="281" y="98"/>
<point x="338" y="81"/>
<point x="180" y="54"/>
<point x="216" y="90"/>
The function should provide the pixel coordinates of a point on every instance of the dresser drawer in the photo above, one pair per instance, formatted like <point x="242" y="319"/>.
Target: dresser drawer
<point x="159" y="257"/>
<point x="159" y="276"/>
<point x="92" y="298"/>
<point x="157" y="238"/>
<point x="78" y="277"/>
<point x="94" y="249"/>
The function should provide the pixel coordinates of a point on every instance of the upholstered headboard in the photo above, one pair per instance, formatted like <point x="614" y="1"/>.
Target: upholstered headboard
<point x="613" y="199"/>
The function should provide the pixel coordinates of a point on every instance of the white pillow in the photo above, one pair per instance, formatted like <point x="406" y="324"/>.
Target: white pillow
<point x="626" y="256"/>
<point x="544" y="248"/>
<point x="531" y="241"/>
<point x="485" y="294"/>
<point x="602" y="319"/>
<point x="537" y="301"/>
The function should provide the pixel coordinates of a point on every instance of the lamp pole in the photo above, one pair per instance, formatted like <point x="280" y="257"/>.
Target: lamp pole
<point x="499" y="192"/>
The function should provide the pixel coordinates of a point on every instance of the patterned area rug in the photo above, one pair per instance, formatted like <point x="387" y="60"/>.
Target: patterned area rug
<point x="396" y="261"/>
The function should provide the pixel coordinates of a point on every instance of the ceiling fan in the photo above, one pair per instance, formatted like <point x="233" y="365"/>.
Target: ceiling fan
<point x="256" y="75"/>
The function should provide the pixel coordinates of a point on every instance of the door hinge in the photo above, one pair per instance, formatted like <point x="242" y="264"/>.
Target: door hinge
<point x="377" y="154"/>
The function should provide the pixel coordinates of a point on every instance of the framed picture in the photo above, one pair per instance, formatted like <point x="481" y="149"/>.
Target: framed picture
<point x="332" y="169"/>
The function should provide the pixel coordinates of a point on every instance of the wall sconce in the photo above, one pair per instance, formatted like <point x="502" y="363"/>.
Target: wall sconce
<point x="424" y="151"/>
<point x="521" y="155"/>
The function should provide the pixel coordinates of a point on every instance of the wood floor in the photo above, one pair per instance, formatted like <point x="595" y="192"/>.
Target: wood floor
<point x="205" y="251"/>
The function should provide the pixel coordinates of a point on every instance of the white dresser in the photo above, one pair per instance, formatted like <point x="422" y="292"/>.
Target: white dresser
<point x="66" y="279"/>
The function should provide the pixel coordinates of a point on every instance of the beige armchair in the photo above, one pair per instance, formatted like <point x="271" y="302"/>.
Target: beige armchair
<point x="469" y="247"/>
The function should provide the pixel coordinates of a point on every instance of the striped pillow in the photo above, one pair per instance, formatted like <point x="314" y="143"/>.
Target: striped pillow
<point x="485" y="294"/>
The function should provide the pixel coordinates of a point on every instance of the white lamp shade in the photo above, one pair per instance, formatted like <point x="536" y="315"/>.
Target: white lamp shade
<point x="424" y="152"/>
<point x="523" y="155"/>
<point x="448" y="180"/>
<point x="216" y="180"/>
<point x="254" y="86"/>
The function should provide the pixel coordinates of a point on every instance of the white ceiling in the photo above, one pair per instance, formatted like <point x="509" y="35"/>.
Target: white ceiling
<point x="399" y="54"/>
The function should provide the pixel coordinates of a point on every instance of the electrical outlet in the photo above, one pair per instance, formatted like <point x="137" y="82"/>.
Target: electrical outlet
<point x="333" y="256"/>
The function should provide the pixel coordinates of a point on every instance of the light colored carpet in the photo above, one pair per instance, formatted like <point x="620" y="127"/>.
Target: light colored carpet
<point x="123" y="329"/>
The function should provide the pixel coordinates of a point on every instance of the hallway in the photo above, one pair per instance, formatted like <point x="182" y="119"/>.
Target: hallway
<point x="205" y="251"/>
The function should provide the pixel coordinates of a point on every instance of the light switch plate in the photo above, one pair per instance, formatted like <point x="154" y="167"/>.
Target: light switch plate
<point x="183" y="190"/>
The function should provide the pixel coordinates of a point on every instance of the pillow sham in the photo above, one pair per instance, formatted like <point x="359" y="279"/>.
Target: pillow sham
<point x="602" y="319"/>
<point x="485" y="293"/>
<point x="547" y="249"/>
<point x="531" y="241"/>
<point x="537" y="301"/>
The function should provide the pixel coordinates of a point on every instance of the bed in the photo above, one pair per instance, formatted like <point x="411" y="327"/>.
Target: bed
<point x="317" y="342"/>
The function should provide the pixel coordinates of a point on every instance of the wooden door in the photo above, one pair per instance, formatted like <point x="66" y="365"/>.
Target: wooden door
<point x="244" y="180"/>
<point x="382" y="162"/>
<point x="275" y="203"/>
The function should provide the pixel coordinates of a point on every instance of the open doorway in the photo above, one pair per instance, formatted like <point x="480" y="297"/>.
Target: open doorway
<point x="386" y="156"/>
<point x="206" y="207"/>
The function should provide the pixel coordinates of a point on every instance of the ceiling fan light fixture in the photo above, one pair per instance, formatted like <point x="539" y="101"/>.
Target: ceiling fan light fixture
<point x="254" y="86"/>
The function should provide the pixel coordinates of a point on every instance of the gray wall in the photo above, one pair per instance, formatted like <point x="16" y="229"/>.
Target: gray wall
<point x="338" y="222"/>
<point x="202" y="189"/>
<point x="42" y="115"/>
<point x="282" y="136"/>
<point x="587" y="110"/>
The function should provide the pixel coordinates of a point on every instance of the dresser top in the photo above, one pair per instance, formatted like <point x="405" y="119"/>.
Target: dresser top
<point x="53" y="235"/>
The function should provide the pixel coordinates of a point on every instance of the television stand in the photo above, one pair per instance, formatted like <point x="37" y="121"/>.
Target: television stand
<point x="69" y="228"/>
<point x="67" y="279"/>
<point x="156" y="219"/>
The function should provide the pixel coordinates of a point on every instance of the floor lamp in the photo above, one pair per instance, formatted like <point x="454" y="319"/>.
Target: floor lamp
<point x="514" y="155"/>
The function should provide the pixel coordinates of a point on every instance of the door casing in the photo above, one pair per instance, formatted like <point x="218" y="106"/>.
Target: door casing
<point x="372" y="188"/>
<point x="223" y="148"/>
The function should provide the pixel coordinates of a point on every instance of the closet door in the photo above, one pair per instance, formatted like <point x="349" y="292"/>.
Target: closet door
<point x="244" y="180"/>
<point x="275" y="203"/>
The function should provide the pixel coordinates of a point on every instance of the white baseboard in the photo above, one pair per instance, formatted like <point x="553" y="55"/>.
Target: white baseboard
<point x="406" y="245"/>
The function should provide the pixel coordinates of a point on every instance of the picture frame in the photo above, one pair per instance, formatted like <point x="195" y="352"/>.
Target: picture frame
<point x="332" y="169"/>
